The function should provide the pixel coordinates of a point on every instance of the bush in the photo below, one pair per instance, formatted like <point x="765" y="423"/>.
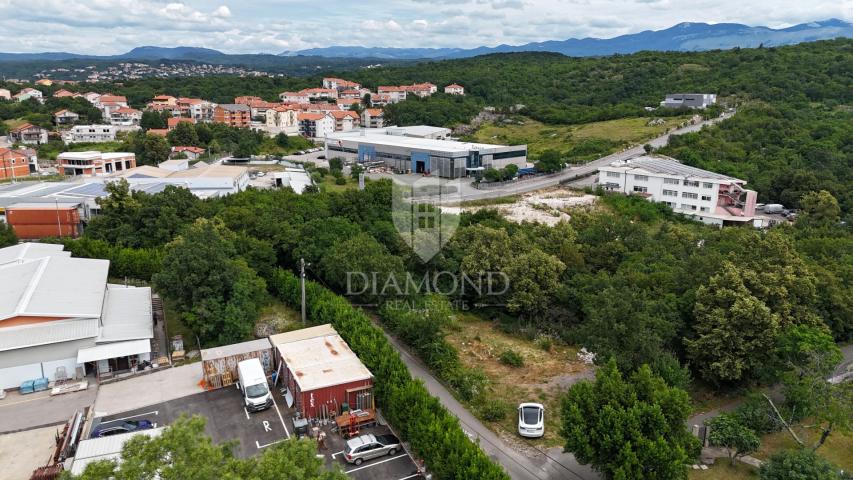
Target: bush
<point x="493" y="410"/>
<point x="340" y="181"/>
<point x="545" y="342"/>
<point x="511" y="358"/>
<point x="756" y="414"/>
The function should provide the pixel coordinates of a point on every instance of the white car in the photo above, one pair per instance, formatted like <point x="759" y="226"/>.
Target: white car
<point x="531" y="420"/>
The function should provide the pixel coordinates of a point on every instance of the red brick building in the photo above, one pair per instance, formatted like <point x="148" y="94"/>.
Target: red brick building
<point x="233" y="114"/>
<point x="13" y="164"/>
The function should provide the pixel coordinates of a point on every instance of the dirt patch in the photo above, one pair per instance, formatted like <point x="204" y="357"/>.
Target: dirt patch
<point x="543" y="378"/>
<point x="277" y="318"/>
<point x="548" y="206"/>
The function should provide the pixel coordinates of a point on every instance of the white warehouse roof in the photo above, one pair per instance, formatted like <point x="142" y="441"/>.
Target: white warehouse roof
<point x="414" y="143"/>
<point x="670" y="166"/>
<point x="105" y="448"/>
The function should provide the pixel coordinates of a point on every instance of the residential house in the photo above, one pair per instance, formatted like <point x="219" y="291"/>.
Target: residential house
<point x="90" y="134"/>
<point x="320" y="107"/>
<point x="316" y="125"/>
<point x="174" y="121"/>
<point x="29" y="93"/>
<point x="65" y="117"/>
<point x="421" y="89"/>
<point x="163" y="100"/>
<point x="454" y="89"/>
<point x="689" y="100"/>
<point x="339" y="84"/>
<point x="706" y="196"/>
<point x="63" y="93"/>
<point x="28" y="134"/>
<point x="372" y="118"/>
<point x="126" y="116"/>
<point x="5" y="94"/>
<point x="394" y="94"/>
<point x="13" y="164"/>
<point x="382" y="99"/>
<point x="348" y="103"/>
<point x="107" y="104"/>
<point x="192" y="153"/>
<point x="345" y="120"/>
<point x="92" y="97"/>
<point x="233" y="114"/>
<point x="44" y="82"/>
<point x="247" y="99"/>
<point x="196" y="108"/>
<point x="350" y="93"/>
<point x="93" y="163"/>
<point x="320" y="93"/>
<point x="294" y="97"/>
<point x="259" y="108"/>
<point x="282" y="119"/>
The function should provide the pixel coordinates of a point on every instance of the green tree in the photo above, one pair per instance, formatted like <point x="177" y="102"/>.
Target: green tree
<point x="533" y="276"/>
<point x="819" y="209"/>
<point x="155" y="149"/>
<point x="184" y="134"/>
<point x="281" y="140"/>
<point x="798" y="464"/>
<point x="7" y="235"/>
<point x="217" y="292"/>
<point x="550" y="161"/>
<point x="734" y="331"/>
<point x="727" y="432"/>
<point x="151" y="119"/>
<point x="629" y="428"/>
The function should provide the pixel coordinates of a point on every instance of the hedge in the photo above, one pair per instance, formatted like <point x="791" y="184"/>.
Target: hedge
<point x="433" y="433"/>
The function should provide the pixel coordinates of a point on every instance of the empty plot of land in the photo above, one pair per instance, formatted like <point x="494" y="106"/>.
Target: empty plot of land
<point x="23" y="452"/>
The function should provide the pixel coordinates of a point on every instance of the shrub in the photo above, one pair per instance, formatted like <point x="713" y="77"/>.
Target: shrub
<point x="756" y="414"/>
<point x="340" y="181"/>
<point x="493" y="410"/>
<point x="512" y="358"/>
<point x="545" y="342"/>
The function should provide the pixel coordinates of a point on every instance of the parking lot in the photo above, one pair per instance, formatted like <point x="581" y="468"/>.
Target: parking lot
<point x="227" y="419"/>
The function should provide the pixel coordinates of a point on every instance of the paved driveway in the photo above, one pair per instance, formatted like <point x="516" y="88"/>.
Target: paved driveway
<point x="25" y="412"/>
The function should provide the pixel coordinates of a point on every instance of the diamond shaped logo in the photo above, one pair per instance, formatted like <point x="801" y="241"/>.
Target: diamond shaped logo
<point x="417" y="215"/>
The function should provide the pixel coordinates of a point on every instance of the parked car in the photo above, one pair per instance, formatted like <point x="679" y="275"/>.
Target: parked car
<point x="366" y="447"/>
<point x="126" y="426"/>
<point x="531" y="420"/>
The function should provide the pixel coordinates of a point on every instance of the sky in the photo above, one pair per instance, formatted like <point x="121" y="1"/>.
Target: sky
<point x="106" y="27"/>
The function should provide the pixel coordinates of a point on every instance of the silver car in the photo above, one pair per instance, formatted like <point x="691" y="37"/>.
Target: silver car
<point x="366" y="447"/>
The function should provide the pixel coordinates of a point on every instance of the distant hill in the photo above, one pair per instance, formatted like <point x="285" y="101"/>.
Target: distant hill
<point x="176" y="53"/>
<point x="681" y="37"/>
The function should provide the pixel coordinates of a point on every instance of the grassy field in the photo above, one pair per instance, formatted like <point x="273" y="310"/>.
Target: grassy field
<point x="838" y="448"/>
<point x="723" y="470"/>
<point x="578" y="142"/>
<point x="328" y="184"/>
<point x="543" y="378"/>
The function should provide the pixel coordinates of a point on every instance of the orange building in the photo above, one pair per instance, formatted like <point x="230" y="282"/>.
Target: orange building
<point x="13" y="164"/>
<point x="233" y="114"/>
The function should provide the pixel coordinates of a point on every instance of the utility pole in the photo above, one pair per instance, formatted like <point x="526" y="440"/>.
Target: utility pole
<point x="302" y="266"/>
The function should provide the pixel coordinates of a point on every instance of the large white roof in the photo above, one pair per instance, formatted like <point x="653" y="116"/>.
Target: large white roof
<point x="105" y="448"/>
<point x="24" y="336"/>
<point x="670" y="166"/>
<point x="29" y="251"/>
<point x="319" y="358"/>
<point x="127" y="314"/>
<point x="412" y="142"/>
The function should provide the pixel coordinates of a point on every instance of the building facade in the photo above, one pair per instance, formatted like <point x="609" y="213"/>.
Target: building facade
<point x="689" y="100"/>
<point x="372" y="118"/>
<point x="90" y="134"/>
<point x="282" y="119"/>
<point x="233" y="114"/>
<point x="94" y="163"/>
<point x="706" y="196"/>
<point x="454" y="89"/>
<point x="28" y="134"/>
<point x="13" y="164"/>
<point x="316" y="125"/>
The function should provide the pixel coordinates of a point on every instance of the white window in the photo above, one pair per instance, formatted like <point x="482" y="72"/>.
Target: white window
<point x="704" y="209"/>
<point x="707" y="185"/>
<point x="641" y="178"/>
<point x="670" y="193"/>
<point x="691" y="183"/>
<point x="685" y="206"/>
<point x="640" y="189"/>
<point x="706" y="198"/>
<point x="614" y="174"/>
<point x="671" y="181"/>
<point x="689" y="195"/>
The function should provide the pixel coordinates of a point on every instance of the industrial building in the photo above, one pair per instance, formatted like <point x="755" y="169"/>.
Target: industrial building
<point x="60" y="319"/>
<point x="408" y="150"/>
<point x="706" y="196"/>
<point x="321" y="372"/>
<point x="689" y="100"/>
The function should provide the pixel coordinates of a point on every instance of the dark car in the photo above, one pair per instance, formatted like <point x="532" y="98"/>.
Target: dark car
<point x="115" y="428"/>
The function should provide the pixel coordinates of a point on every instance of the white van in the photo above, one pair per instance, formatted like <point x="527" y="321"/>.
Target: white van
<point x="253" y="384"/>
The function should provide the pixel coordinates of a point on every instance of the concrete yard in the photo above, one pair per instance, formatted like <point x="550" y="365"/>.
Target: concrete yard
<point x="150" y="389"/>
<point x="23" y="412"/>
<point x="23" y="452"/>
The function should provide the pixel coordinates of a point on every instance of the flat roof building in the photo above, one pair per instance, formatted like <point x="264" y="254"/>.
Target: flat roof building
<point x="405" y="152"/>
<point x="689" y="100"/>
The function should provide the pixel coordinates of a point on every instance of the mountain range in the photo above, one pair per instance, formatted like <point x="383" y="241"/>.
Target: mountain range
<point x="681" y="37"/>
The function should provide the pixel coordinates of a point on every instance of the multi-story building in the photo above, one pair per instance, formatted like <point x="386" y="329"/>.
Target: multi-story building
<point x="126" y="116"/>
<point x="454" y="89"/>
<point x="394" y="93"/>
<point x="5" y="94"/>
<point x="282" y="119"/>
<point x="63" y="93"/>
<point x="92" y="97"/>
<point x="107" y="104"/>
<point x="93" y="163"/>
<point x="345" y="120"/>
<point x="421" y="89"/>
<point x="65" y="117"/>
<point x="372" y="118"/>
<point x="233" y="114"/>
<point x="28" y="134"/>
<point x="348" y="103"/>
<point x="163" y="100"/>
<point x="706" y="196"/>
<point x="316" y="125"/>
<point x="689" y="100"/>
<point x="247" y="99"/>
<point x="174" y="121"/>
<point x="13" y="164"/>
<point x="406" y="150"/>
<point x="29" y="93"/>
<point x="339" y="84"/>
<point x="90" y="134"/>
<point x="294" y="97"/>
<point x="196" y="108"/>
<point x="320" y="93"/>
<point x="350" y="93"/>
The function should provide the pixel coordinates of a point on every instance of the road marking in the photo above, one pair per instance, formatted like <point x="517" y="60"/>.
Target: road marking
<point x="267" y="427"/>
<point x="377" y="463"/>
<point x="410" y="476"/>
<point x="155" y="412"/>
<point x="268" y="444"/>
<point x="247" y="413"/>
<point x="337" y="453"/>
<point x="279" y="416"/>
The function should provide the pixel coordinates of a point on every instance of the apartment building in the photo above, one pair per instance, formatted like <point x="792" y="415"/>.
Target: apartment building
<point x="13" y="164"/>
<point x="345" y="120"/>
<point x="350" y="93"/>
<point x="394" y="94"/>
<point x="93" y="163"/>
<point x="65" y="117"/>
<point x="282" y="119"/>
<point x="195" y="108"/>
<point x="689" y="100"/>
<point x="421" y="89"/>
<point x="27" y="94"/>
<point x="372" y="118"/>
<point x="294" y="97"/>
<point x="454" y="89"/>
<point x="706" y="196"/>
<point x="90" y="134"/>
<point x="126" y="117"/>
<point x="348" y="103"/>
<point x="320" y="93"/>
<point x="233" y="114"/>
<point x="107" y="104"/>
<point x="339" y="84"/>
<point x="316" y="125"/>
<point x="28" y="134"/>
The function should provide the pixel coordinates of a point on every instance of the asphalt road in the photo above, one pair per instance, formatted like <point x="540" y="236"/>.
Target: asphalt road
<point x="554" y="465"/>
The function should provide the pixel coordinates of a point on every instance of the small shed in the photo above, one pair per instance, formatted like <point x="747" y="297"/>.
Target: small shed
<point x="220" y="363"/>
<point x="321" y="372"/>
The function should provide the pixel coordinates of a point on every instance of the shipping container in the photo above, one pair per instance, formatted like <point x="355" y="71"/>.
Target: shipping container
<point x="36" y="232"/>
<point x="328" y="402"/>
<point x="42" y="216"/>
